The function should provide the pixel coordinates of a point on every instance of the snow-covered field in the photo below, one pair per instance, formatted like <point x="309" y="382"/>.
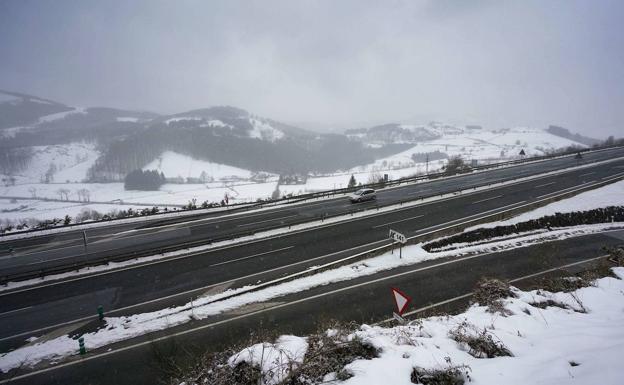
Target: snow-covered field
<point x="173" y="165"/>
<point x="480" y="145"/>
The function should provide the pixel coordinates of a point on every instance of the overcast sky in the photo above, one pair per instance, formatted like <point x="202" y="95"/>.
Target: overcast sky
<point x="328" y="63"/>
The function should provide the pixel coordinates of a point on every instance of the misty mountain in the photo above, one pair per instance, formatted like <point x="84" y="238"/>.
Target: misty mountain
<point x="232" y="136"/>
<point x="129" y="140"/>
<point x="565" y="133"/>
<point x="18" y="109"/>
<point x="403" y="133"/>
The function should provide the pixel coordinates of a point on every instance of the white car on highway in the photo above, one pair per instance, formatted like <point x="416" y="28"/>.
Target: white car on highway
<point x="361" y="195"/>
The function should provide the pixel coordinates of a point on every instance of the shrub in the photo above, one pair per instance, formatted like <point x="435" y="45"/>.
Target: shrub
<point x="480" y="344"/>
<point x="490" y="292"/>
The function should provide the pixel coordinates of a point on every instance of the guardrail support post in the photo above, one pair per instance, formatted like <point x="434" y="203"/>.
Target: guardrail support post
<point x="81" y="346"/>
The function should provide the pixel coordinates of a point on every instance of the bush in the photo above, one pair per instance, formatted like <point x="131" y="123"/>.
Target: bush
<point x="490" y="292"/>
<point x="451" y="375"/>
<point x="480" y="344"/>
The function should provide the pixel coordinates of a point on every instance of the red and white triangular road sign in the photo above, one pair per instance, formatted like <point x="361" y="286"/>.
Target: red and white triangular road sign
<point x="401" y="299"/>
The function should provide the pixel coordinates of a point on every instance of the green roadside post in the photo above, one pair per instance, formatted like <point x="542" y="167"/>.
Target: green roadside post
<point x="100" y="310"/>
<point x="81" y="346"/>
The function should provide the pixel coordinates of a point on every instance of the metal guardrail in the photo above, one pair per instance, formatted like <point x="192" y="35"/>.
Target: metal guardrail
<point x="82" y="263"/>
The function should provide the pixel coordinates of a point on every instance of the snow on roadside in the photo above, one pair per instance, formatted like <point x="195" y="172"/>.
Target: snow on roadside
<point x="274" y="359"/>
<point x="549" y="346"/>
<point x="609" y="195"/>
<point x="125" y="327"/>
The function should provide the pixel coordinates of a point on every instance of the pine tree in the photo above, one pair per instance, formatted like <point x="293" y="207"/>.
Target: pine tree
<point x="352" y="182"/>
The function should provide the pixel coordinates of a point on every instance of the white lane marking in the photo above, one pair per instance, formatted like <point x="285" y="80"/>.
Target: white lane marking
<point x="561" y="191"/>
<point x="15" y="311"/>
<point x="487" y="199"/>
<point x="419" y="310"/>
<point x="401" y="220"/>
<point x="545" y="184"/>
<point x="419" y="191"/>
<point x="287" y="304"/>
<point x="268" y="220"/>
<point x="612" y="176"/>
<point x="589" y="173"/>
<point x="419" y="231"/>
<point x="199" y="289"/>
<point x="251" y="256"/>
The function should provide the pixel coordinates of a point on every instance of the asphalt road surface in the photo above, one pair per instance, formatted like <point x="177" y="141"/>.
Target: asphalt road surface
<point x="124" y="239"/>
<point x="364" y="300"/>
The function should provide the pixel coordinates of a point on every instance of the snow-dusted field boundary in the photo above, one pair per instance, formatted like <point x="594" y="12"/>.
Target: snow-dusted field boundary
<point x="295" y="200"/>
<point x="126" y="327"/>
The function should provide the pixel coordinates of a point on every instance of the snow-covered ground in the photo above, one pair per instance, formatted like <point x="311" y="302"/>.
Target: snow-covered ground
<point x="173" y="164"/>
<point x="65" y="163"/>
<point x="481" y="145"/>
<point x="578" y="345"/>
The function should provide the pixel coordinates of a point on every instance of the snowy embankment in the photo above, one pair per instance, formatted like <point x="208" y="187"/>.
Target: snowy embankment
<point x="578" y="340"/>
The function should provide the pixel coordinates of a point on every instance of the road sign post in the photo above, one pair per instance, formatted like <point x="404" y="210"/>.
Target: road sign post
<point x="401" y="301"/>
<point x="402" y="239"/>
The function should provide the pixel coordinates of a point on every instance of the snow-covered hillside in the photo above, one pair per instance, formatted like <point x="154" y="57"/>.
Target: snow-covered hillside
<point x="57" y="163"/>
<point x="175" y="165"/>
<point x="471" y="144"/>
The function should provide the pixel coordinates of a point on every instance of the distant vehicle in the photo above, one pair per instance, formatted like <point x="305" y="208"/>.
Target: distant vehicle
<point x="361" y="195"/>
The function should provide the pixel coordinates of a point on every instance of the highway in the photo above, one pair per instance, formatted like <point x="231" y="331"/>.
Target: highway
<point x="124" y="239"/>
<point x="70" y="302"/>
<point x="364" y="300"/>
